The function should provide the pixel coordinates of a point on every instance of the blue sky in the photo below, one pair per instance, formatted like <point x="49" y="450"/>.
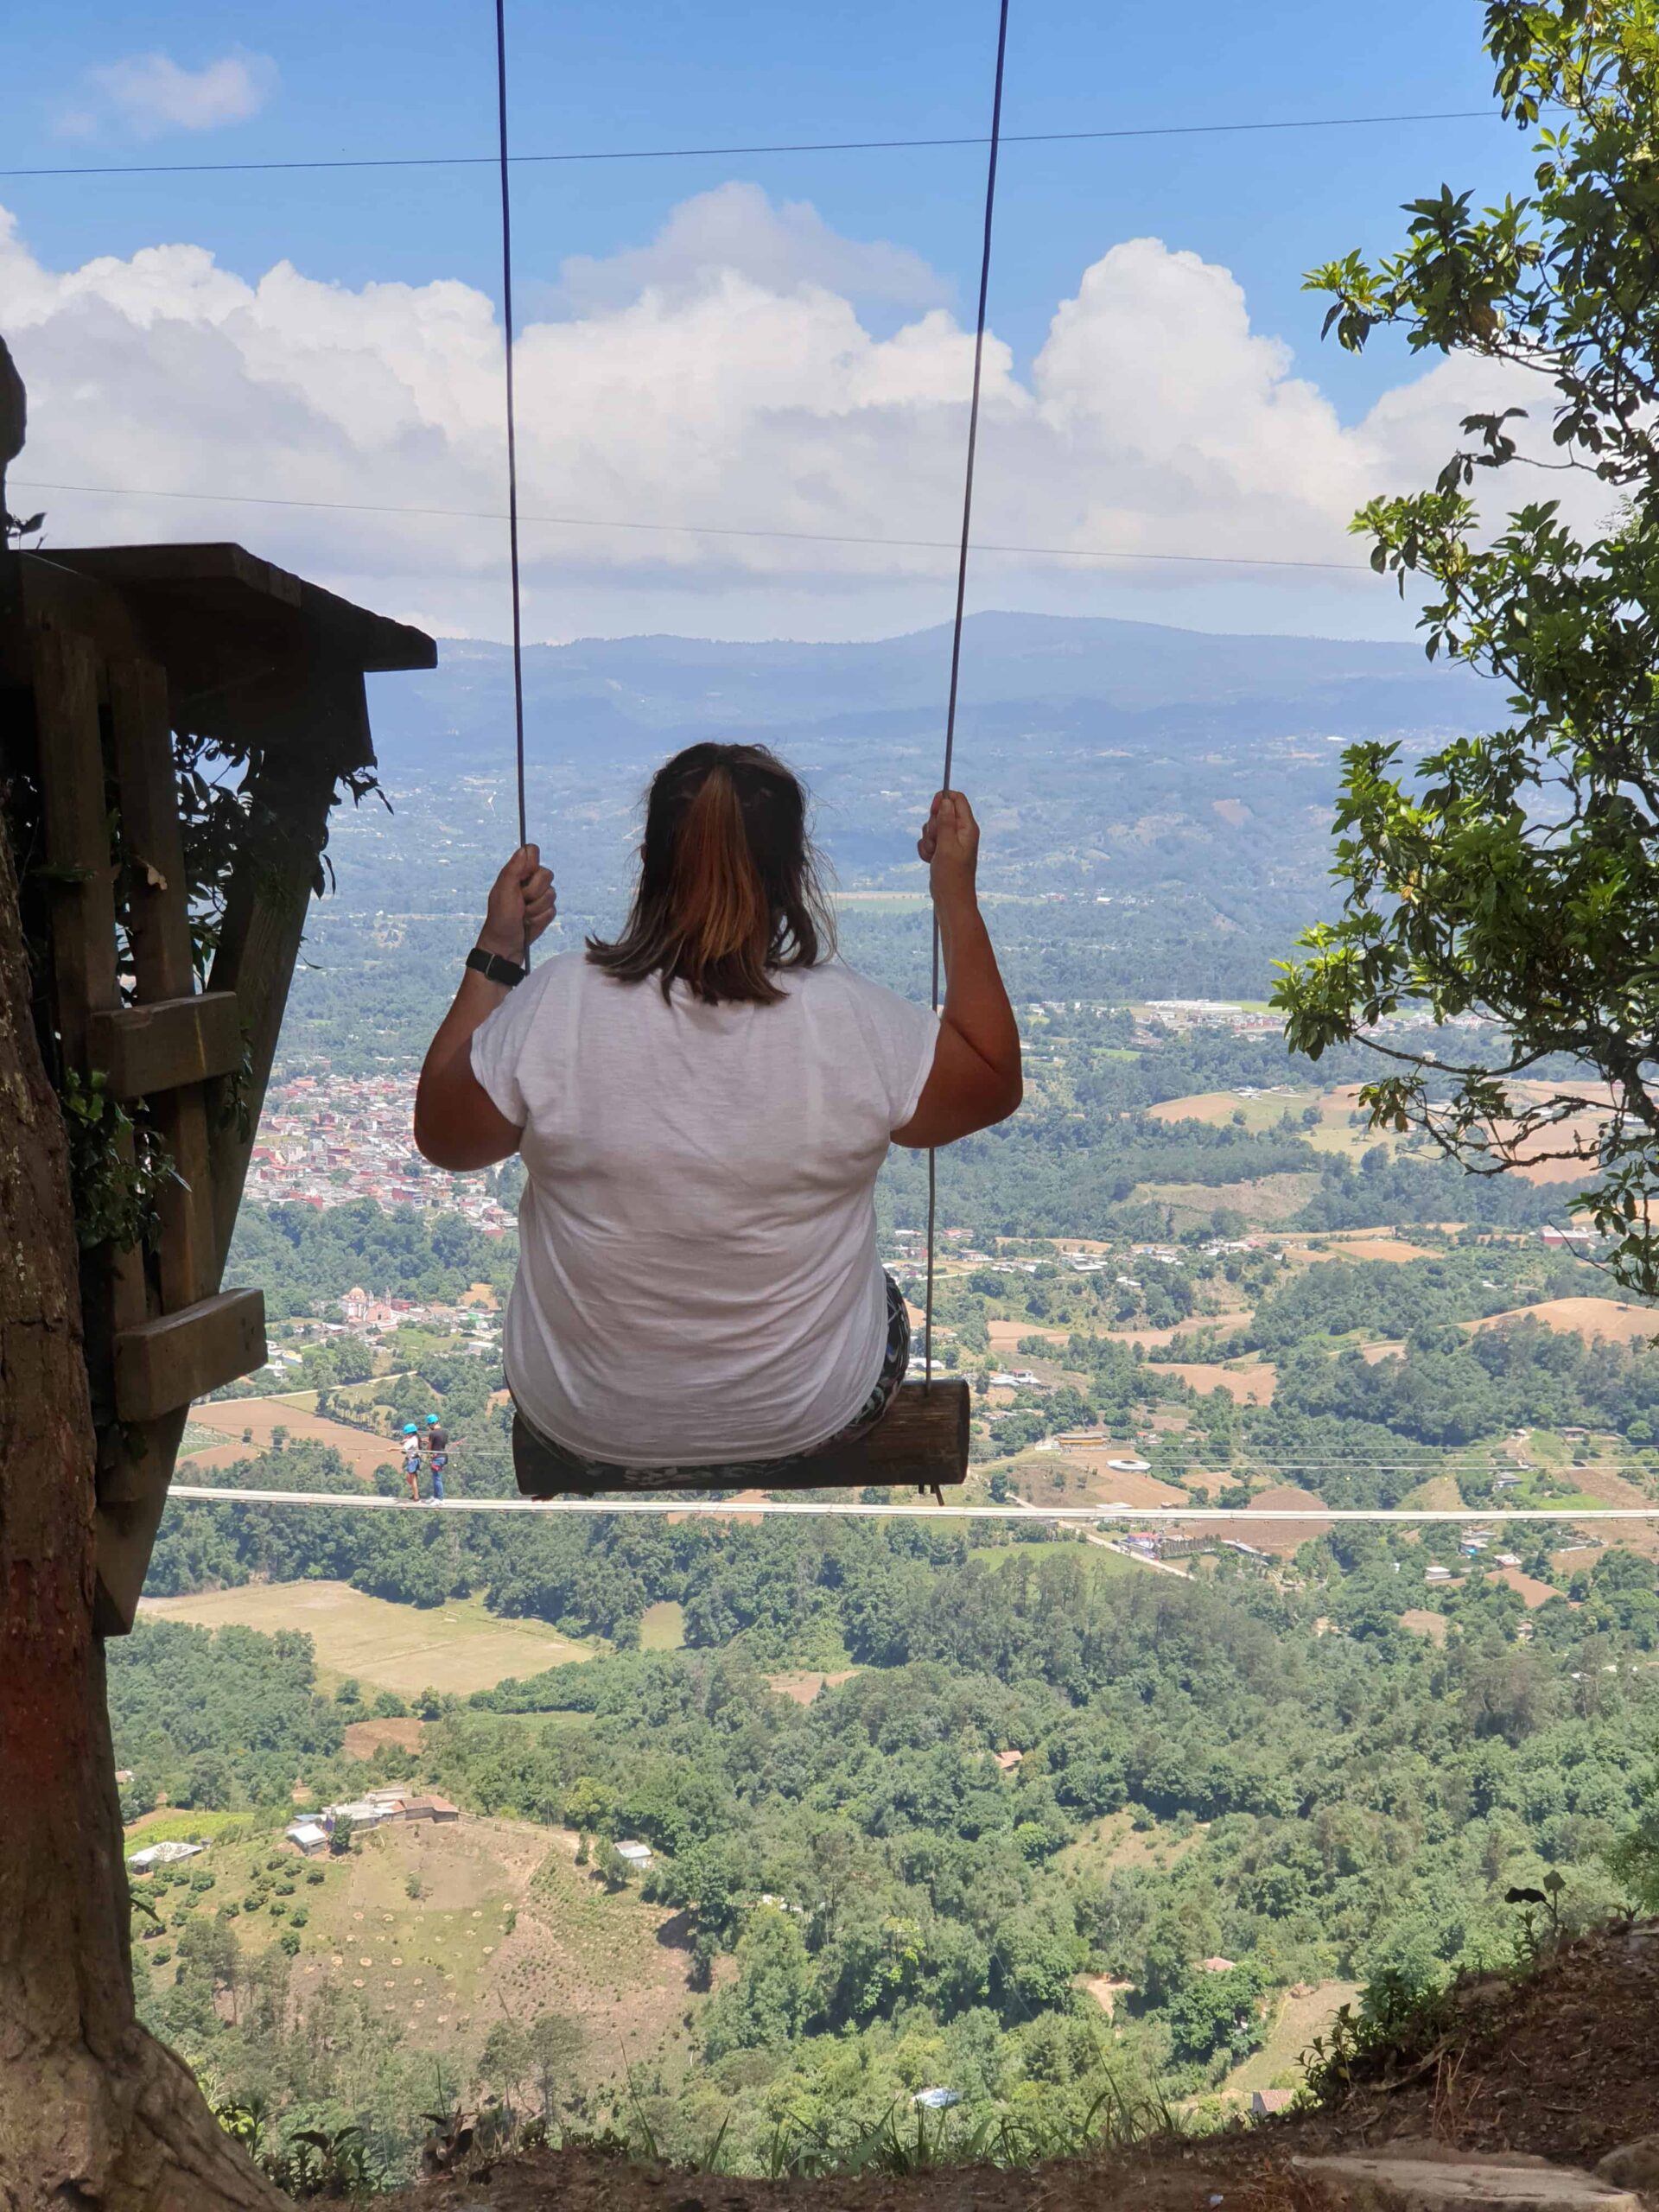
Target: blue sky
<point x="309" y="82"/>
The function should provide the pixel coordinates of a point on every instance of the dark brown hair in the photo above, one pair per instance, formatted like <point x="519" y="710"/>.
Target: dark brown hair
<point x="728" y="885"/>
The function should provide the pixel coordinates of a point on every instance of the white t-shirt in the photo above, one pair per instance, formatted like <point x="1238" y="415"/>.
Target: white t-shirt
<point x="697" y="1273"/>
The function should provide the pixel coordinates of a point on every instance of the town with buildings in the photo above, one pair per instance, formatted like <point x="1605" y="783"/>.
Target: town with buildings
<point x="324" y="1140"/>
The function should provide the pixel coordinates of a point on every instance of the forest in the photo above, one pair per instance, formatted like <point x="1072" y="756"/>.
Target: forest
<point x="874" y="1897"/>
<point x="1055" y="1826"/>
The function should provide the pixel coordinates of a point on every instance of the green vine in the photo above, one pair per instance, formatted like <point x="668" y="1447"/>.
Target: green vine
<point x="117" y="1165"/>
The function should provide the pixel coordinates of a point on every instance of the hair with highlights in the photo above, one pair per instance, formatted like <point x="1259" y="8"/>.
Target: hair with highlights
<point x="729" y="889"/>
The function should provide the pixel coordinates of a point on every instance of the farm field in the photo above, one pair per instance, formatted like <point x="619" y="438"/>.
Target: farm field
<point x="1330" y="1133"/>
<point x="1610" y="1318"/>
<point x="803" y="1684"/>
<point x="1089" y="1480"/>
<point x="457" y="1647"/>
<point x="1299" y="2020"/>
<point x="505" y="1921"/>
<point x="1263" y="1202"/>
<point x="662" y="1626"/>
<point x="1114" y="1845"/>
<point x="1281" y="1538"/>
<point x="1251" y="1384"/>
<point x="230" y="1418"/>
<point x="1353" y="1244"/>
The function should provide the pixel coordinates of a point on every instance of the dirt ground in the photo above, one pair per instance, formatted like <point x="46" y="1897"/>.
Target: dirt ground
<point x="802" y="1686"/>
<point x="363" y="1739"/>
<point x="1560" y="2066"/>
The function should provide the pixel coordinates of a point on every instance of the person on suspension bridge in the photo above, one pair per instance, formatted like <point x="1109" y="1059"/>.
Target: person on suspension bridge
<point x="703" y="1105"/>
<point x="437" y="1454"/>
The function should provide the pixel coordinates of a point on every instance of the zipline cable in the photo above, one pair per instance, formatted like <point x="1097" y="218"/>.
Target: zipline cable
<point x="1086" y="1516"/>
<point x="962" y="593"/>
<point x="512" y="436"/>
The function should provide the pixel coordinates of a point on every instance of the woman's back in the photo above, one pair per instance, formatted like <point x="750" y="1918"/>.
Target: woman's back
<point x="702" y="1104"/>
<point x="697" y="1275"/>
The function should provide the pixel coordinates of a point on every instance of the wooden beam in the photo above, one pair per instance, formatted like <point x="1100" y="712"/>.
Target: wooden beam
<point x="158" y="918"/>
<point x="128" y="1518"/>
<point x="921" y="1441"/>
<point x="146" y="1049"/>
<point x="265" y="921"/>
<point x="166" y="1363"/>
<point x="75" y="822"/>
<point x="75" y="825"/>
<point x="158" y="911"/>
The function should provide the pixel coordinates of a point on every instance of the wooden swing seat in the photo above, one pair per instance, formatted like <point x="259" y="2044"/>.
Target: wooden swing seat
<point x="920" y="1442"/>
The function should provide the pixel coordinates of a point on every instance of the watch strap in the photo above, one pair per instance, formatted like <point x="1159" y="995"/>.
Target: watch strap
<point x="498" y="969"/>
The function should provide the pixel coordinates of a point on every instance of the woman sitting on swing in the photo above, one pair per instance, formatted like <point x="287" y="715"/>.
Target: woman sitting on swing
<point x="703" y="1106"/>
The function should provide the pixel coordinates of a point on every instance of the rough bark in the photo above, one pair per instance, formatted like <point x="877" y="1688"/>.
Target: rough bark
<point x="94" y="2112"/>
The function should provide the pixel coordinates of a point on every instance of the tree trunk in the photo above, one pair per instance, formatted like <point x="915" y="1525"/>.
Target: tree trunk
<point x="94" y="2112"/>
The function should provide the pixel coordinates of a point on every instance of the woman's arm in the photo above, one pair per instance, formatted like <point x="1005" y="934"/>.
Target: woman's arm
<point x="976" y="1079"/>
<point x="457" y="1125"/>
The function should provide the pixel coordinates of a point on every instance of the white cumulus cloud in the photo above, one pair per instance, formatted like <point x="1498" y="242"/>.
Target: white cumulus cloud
<point x="719" y="382"/>
<point x="737" y="229"/>
<point x="150" y="94"/>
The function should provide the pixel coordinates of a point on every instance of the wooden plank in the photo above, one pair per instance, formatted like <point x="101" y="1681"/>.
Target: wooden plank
<point x="250" y="593"/>
<point x="158" y="915"/>
<point x="166" y="1363"/>
<point x="47" y="592"/>
<point x="147" y="1049"/>
<point x="264" y="920"/>
<point x="124" y="1529"/>
<point x="75" y="824"/>
<point x="158" y="910"/>
<point x="922" y="1440"/>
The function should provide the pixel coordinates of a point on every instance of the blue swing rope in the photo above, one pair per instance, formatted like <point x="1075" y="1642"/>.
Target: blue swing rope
<point x="962" y="593"/>
<point x="512" y="441"/>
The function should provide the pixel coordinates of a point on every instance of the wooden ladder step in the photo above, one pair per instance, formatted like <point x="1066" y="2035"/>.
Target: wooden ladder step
<point x="145" y="1050"/>
<point x="166" y="1363"/>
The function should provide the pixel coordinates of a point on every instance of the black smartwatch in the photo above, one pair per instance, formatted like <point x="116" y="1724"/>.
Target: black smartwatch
<point x="498" y="969"/>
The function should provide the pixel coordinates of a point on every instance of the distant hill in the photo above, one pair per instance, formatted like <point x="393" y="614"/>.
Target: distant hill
<point x="599" y="695"/>
<point x="1122" y="754"/>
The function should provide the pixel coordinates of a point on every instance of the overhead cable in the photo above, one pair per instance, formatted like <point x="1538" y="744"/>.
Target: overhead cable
<point x="725" y="153"/>
<point x="702" y="529"/>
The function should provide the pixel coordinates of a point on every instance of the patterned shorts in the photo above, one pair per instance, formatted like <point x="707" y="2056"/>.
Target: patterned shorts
<point x="547" y="1470"/>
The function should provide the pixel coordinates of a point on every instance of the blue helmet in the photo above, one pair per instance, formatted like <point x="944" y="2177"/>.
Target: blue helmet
<point x="432" y="1420"/>
<point x="410" y="1429"/>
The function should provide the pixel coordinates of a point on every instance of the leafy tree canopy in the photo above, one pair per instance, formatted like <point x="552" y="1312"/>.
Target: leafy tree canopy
<point x="1516" y="877"/>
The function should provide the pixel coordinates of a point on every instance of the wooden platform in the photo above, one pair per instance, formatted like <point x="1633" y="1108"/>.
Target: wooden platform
<point x="108" y="656"/>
